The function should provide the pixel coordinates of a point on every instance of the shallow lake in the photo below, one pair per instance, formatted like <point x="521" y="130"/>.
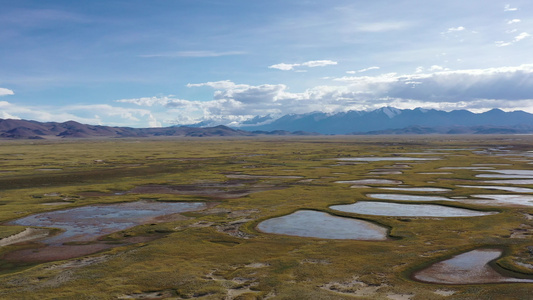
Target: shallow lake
<point x="393" y="158"/>
<point x="508" y="176"/>
<point x="89" y="222"/>
<point x="501" y="188"/>
<point x="503" y="200"/>
<point x="416" y="189"/>
<point x="466" y="168"/>
<point x="513" y="172"/>
<point x="310" y="223"/>
<point x="466" y="268"/>
<point x="509" y="181"/>
<point x="403" y="197"/>
<point x="407" y="210"/>
<point x="84" y="225"/>
<point x="370" y="181"/>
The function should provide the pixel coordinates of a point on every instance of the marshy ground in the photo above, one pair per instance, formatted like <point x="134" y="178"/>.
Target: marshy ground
<point x="218" y="251"/>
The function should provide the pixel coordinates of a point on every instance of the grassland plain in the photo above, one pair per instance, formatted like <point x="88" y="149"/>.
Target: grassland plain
<point x="219" y="254"/>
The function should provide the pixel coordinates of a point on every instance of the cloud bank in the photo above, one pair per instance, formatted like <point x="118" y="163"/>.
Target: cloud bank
<point x="473" y="89"/>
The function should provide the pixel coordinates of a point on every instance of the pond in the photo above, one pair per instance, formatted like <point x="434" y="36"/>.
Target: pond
<point x="466" y="268"/>
<point x="404" y="197"/>
<point x="513" y="172"/>
<point x="370" y="181"/>
<point x="501" y="188"/>
<point x="503" y="200"/>
<point x="310" y="223"/>
<point x="509" y="181"/>
<point x="82" y="226"/>
<point x="393" y="158"/>
<point x="508" y="176"/>
<point x="408" y="210"/>
<point x="416" y="189"/>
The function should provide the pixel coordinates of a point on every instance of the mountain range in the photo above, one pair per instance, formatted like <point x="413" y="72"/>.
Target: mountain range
<point x="385" y="120"/>
<point x="392" y="120"/>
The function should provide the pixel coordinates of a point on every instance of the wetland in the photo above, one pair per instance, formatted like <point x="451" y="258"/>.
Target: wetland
<point x="267" y="218"/>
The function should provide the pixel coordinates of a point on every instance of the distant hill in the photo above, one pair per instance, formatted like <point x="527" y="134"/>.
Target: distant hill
<point x="22" y="129"/>
<point x="398" y="120"/>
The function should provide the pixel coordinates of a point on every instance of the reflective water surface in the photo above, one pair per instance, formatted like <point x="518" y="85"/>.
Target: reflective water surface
<point x="310" y="223"/>
<point x="404" y="197"/>
<point x="466" y="268"/>
<point x="407" y="210"/>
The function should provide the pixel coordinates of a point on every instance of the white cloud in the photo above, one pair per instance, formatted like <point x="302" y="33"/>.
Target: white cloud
<point x="503" y="44"/>
<point x="517" y="38"/>
<point x="283" y="66"/>
<point x="436" y="68"/>
<point x="232" y="103"/>
<point x="88" y="114"/>
<point x="309" y="64"/>
<point x="521" y="36"/>
<point x="363" y="70"/>
<point x="513" y="21"/>
<point x="455" y="29"/>
<point x="6" y="92"/>
<point x="319" y="63"/>
<point x="509" y="8"/>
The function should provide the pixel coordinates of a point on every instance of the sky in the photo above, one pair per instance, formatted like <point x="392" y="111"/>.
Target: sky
<point x="155" y="63"/>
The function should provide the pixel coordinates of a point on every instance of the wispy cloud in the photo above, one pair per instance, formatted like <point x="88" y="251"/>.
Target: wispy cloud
<point x="509" y="8"/>
<point x="199" y="53"/>
<point x="513" y="21"/>
<point x="517" y="38"/>
<point x="310" y="64"/>
<point x="362" y="70"/>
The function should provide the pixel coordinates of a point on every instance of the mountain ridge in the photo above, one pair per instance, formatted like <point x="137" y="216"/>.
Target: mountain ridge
<point x="388" y="118"/>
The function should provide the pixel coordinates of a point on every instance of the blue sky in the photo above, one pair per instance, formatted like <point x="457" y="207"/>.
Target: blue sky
<point x="164" y="62"/>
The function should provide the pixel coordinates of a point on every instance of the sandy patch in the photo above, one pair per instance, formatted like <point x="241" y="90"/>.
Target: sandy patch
<point x="353" y="288"/>
<point x="257" y="265"/>
<point x="234" y="229"/>
<point x="149" y="295"/>
<point x="444" y="293"/>
<point x="29" y="234"/>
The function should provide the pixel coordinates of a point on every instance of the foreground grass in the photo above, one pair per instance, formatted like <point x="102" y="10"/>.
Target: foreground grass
<point x="202" y="257"/>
